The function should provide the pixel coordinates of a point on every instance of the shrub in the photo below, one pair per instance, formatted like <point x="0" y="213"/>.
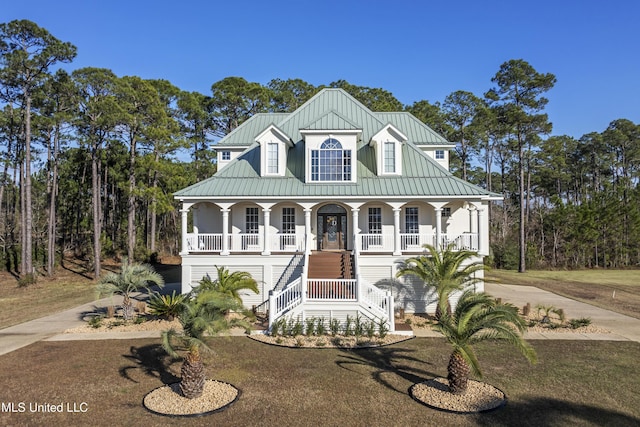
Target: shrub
<point x="279" y="327"/>
<point x="370" y="329"/>
<point x="310" y="326"/>
<point x="382" y="328"/>
<point x="321" y="328"/>
<point x="348" y="327"/>
<point x="297" y="328"/>
<point x="27" y="280"/>
<point x="358" y="326"/>
<point x="578" y="323"/>
<point x="334" y="326"/>
<point x="95" y="322"/>
<point x="166" y="306"/>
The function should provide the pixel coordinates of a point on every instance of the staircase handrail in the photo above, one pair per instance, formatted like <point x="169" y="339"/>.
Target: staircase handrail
<point x="375" y="298"/>
<point x="283" y="301"/>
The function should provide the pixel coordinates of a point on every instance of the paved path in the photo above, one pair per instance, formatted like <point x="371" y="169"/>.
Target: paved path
<point x="623" y="328"/>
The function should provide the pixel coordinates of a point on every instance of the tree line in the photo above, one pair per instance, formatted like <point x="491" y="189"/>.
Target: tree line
<point x="89" y="160"/>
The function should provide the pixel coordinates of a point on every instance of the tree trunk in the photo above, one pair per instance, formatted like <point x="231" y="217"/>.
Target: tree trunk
<point x="131" y="203"/>
<point x="522" y="236"/>
<point x="192" y="375"/>
<point x="154" y="186"/>
<point x="458" y="373"/>
<point x="96" y="202"/>
<point x="51" y="231"/>
<point x="28" y="212"/>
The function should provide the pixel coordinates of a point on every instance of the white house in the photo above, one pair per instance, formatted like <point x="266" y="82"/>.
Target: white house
<point x="322" y="205"/>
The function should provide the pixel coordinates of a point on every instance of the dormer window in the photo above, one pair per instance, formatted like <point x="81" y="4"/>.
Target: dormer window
<point x="387" y="144"/>
<point x="226" y="155"/>
<point x="272" y="158"/>
<point x="273" y="151"/>
<point x="331" y="162"/>
<point x="439" y="154"/>
<point x="389" y="157"/>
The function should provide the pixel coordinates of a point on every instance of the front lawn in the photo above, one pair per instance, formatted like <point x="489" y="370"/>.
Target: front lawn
<point x="575" y="383"/>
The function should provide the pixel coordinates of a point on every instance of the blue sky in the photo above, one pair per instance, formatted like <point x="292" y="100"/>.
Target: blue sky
<point x="413" y="48"/>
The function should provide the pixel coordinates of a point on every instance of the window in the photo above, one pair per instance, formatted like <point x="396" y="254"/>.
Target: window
<point x="389" y="157"/>
<point x="288" y="220"/>
<point x="439" y="154"/>
<point x="252" y="221"/>
<point x="226" y="155"/>
<point x="272" y="157"/>
<point x="375" y="220"/>
<point x="331" y="162"/>
<point x="446" y="212"/>
<point x="411" y="220"/>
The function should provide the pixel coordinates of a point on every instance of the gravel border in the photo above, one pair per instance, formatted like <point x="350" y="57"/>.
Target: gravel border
<point x="167" y="400"/>
<point x="479" y="398"/>
<point x="350" y="343"/>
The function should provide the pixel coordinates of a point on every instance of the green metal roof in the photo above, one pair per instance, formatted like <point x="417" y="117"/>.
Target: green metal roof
<point x="333" y="109"/>
<point x="246" y="134"/>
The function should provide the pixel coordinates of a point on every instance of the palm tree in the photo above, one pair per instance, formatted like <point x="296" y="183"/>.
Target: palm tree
<point x="228" y="283"/>
<point x="479" y="317"/>
<point x="202" y="315"/>
<point x="132" y="278"/>
<point x="444" y="271"/>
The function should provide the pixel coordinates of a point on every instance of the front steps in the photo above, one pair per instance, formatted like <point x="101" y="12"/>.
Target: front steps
<point x="330" y="265"/>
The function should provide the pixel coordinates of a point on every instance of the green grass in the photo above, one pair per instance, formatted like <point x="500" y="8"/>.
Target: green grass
<point x="47" y="296"/>
<point x="70" y="287"/>
<point x="575" y="383"/>
<point x="625" y="278"/>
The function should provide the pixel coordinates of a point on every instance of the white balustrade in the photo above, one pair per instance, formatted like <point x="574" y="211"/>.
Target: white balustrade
<point x="332" y="289"/>
<point x="409" y="242"/>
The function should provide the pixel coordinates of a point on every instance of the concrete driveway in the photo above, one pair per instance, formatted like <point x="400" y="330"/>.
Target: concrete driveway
<point x="622" y="327"/>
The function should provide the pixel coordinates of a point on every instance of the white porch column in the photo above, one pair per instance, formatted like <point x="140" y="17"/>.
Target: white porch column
<point x="196" y="222"/>
<point x="225" y="231"/>
<point x="307" y="231"/>
<point x="356" y="231"/>
<point x="266" y="250"/>
<point x="438" y="211"/>
<point x="184" y="216"/>
<point x="397" y="250"/>
<point x="473" y="214"/>
<point x="483" y="234"/>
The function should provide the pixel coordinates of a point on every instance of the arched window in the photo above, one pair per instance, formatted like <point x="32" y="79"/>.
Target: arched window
<point x="331" y="162"/>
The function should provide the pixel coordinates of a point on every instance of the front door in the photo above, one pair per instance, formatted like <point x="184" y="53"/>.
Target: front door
<point x="332" y="228"/>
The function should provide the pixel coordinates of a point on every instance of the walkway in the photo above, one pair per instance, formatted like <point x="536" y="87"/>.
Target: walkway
<point x="51" y="328"/>
<point x="622" y="327"/>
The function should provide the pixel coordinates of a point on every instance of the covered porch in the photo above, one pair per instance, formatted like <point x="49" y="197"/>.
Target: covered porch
<point x="398" y="228"/>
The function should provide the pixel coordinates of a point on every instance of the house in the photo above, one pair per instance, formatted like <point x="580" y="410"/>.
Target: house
<point x="322" y="205"/>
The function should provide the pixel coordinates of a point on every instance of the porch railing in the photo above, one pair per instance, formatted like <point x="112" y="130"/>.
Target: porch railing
<point x="376" y="242"/>
<point x="409" y="242"/>
<point x="287" y="242"/>
<point x="204" y="242"/>
<point x="332" y="289"/>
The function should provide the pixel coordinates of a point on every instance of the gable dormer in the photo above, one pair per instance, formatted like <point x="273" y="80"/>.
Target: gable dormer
<point x="274" y="145"/>
<point x="330" y="155"/>
<point x="387" y="144"/>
